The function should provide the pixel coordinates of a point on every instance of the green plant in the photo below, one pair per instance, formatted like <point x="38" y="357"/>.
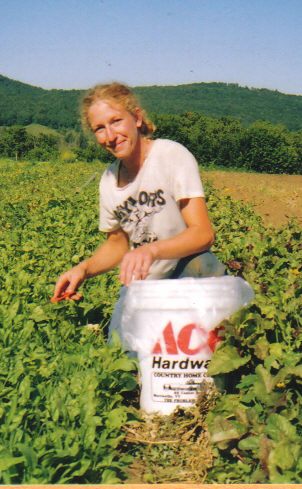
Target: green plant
<point x="256" y="425"/>
<point x="64" y="396"/>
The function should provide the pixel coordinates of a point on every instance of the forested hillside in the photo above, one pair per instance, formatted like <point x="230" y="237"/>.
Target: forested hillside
<point x="24" y="104"/>
<point x="222" y="99"/>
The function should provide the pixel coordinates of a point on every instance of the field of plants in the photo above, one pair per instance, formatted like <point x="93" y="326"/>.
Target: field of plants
<point x="67" y="397"/>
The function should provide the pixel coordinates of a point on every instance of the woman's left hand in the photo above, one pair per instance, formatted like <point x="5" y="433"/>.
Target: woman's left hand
<point x="135" y="264"/>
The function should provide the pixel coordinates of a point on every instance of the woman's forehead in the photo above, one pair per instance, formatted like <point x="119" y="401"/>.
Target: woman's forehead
<point x="107" y="104"/>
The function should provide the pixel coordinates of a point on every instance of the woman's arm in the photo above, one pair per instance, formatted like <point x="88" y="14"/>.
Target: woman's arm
<point x="106" y="257"/>
<point x="197" y="237"/>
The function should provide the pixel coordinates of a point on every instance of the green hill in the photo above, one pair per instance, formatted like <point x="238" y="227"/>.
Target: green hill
<point x="24" y="104"/>
<point x="37" y="129"/>
<point x="222" y="99"/>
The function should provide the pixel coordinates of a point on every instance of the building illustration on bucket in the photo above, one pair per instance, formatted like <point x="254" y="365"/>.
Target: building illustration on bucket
<point x="173" y="326"/>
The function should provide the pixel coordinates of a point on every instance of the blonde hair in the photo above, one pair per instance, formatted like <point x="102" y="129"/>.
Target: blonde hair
<point x="120" y="94"/>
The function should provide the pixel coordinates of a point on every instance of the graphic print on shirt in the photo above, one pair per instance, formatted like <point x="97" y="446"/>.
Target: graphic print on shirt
<point x="138" y="213"/>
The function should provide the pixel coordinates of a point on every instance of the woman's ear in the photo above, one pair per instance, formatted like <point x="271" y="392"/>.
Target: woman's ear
<point x="138" y="117"/>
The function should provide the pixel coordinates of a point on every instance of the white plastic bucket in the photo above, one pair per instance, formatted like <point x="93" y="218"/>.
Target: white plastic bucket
<point x="168" y="323"/>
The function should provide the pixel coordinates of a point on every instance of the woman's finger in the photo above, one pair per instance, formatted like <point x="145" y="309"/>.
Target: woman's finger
<point x="61" y="285"/>
<point x="145" y="267"/>
<point x="135" y="265"/>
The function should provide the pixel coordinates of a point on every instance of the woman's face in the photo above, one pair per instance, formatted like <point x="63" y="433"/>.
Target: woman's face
<point x="115" y="128"/>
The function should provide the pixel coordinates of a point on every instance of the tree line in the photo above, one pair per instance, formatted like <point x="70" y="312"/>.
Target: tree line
<point x="261" y="147"/>
<point x="23" y="104"/>
<point x="215" y="142"/>
<point x="18" y="143"/>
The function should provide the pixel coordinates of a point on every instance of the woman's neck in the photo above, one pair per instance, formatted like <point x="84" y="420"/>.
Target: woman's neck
<point x="130" y="167"/>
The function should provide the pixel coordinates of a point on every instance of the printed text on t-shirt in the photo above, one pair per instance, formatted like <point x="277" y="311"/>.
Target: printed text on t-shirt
<point x="149" y="199"/>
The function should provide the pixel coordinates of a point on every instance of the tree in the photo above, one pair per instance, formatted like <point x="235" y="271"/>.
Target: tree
<point x="270" y="149"/>
<point x="15" y="142"/>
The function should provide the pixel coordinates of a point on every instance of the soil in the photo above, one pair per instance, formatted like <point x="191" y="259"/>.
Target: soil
<point x="277" y="198"/>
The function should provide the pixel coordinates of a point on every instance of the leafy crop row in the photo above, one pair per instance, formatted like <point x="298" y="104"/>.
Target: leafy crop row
<point x="63" y="396"/>
<point x="256" y="426"/>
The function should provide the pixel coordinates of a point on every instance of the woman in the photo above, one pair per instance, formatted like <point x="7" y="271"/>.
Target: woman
<point x="152" y="203"/>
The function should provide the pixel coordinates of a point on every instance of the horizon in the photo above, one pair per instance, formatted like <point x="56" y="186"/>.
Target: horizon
<point x="161" y="85"/>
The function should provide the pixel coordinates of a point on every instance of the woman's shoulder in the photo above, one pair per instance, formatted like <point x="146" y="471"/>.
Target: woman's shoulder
<point x="168" y="145"/>
<point x="110" y="173"/>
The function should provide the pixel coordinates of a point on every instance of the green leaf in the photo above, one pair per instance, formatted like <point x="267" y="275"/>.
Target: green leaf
<point x="278" y="428"/>
<point x="123" y="364"/>
<point x="109" y="477"/>
<point x="297" y="371"/>
<point x="84" y="466"/>
<point x="223" y="430"/>
<point x="39" y="315"/>
<point x="261" y="348"/>
<point x="116" y="418"/>
<point x="24" y="388"/>
<point x="226" y="359"/>
<point x="276" y="349"/>
<point x="29" y="455"/>
<point x="283" y="457"/>
<point x="267" y="380"/>
<point x="250" y="443"/>
<point x="7" y="461"/>
<point x="127" y="383"/>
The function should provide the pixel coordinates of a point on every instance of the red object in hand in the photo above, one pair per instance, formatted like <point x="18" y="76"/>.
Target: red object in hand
<point x="66" y="295"/>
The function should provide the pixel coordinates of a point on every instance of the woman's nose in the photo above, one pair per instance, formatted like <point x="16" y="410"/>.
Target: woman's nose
<point x="110" y="134"/>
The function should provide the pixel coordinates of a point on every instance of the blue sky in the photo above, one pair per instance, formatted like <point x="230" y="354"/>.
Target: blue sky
<point x="78" y="43"/>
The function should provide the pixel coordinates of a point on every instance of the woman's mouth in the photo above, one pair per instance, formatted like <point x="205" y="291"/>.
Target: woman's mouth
<point x="119" y="144"/>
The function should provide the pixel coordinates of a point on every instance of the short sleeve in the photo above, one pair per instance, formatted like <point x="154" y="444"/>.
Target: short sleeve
<point x="185" y="177"/>
<point x="107" y="220"/>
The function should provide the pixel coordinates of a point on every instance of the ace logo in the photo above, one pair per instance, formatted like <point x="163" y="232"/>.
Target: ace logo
<point x="182" y="343"/>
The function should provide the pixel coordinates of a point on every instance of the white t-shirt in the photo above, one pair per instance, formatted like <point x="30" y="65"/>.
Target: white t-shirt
<point x="147" y="208"/>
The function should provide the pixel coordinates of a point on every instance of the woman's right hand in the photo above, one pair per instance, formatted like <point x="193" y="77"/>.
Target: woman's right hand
<point x="106" y="257"/>
<point x="68" y="283"/>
